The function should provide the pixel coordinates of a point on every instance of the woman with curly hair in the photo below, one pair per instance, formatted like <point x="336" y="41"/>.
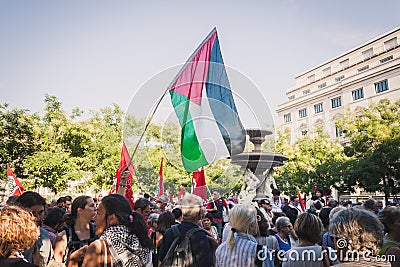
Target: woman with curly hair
<point x="18" y="232"/>
<point x="123" y="238"/>
<point x="390" y="217"/>
<point x="358" y="236"/>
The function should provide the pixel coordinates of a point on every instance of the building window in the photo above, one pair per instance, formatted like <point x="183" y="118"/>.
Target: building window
<point x="390" y="44"/>
<point x="381" y="86"/>
<point x="326" y="72"/>
<point x="338" y="79"/>
<point x="338" y="132"/>
<point x="318" y="108"/>
<point x="386" y="59"/>
<point x="322" y="85"/>
<point x="305" y="92"/>
<point x="287" y="117"/>
<point x="344" y="64"/>
<point x="292" y="97"/>
<point x="363" y="68"/>
<point x="336" y="102"/>
<point x="311" y="78"/>
<point x="303" y="113"/>
<point x="367" y="54"/>
<point x="358" y="94"/>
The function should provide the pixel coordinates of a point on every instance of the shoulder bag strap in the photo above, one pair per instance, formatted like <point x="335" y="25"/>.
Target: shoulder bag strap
<point x="106" y="259"/>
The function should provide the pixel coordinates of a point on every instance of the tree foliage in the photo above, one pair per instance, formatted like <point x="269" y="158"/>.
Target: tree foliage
<point x="373" y="135"/>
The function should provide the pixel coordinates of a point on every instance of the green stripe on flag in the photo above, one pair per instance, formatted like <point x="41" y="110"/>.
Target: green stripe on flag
<point x="192" y="154"/>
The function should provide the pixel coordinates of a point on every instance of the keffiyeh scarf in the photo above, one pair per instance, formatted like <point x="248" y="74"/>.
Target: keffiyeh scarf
<point x="124" y="247"/>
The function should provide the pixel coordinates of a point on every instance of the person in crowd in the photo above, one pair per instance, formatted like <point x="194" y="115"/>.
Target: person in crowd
<point x="379" y="205"/>
<point x="80" y="231"/>
<point x="240" y="249"/>
<point x="61" y="203"/>
<point x="123" y="237"/>
<point x="332" y="203"/>
<point x="308" y="228"/>
<point x="295" y="204"/>
<point x="276" y="201"/>
<point x="142" y="206"/>
<point x="390" y="218"/>
<point x="324" y="216"/>
<point x="162" y="202"/>
<point x="42" y="251"/>
<point x="327" y="239"/>
<point x="370" y="205"/>
<point x="18" y="232"/>
<point x="11" y="200"/>
<point x="152" y="221"/>
<point x="68" y="203"/>
<point x="266" y="209"/>
<point x="359" y="230"/>
<point x="178" y="215"/>
<point x="284" y="227"/>
<point x="319" y="193"/>
<point x="207" y="226"/>
<point x="54" y="223"/>
<point x="216" y="208"/>
<point x="165" y="221"/>
<point x="273" y="231"/>
<point x="192" y="210"/>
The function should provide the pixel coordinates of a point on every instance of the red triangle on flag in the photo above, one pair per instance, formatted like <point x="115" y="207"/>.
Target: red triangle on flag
<point x="15" y="186"/>
<point x="181" y="193"/>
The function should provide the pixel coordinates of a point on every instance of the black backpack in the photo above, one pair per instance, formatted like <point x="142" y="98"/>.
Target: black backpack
<point x="180" y="252"/>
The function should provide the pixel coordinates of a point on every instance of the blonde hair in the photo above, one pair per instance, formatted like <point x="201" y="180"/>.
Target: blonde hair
<point x="360" y="228"/>
<point x="18" y="230"/>
<point x="192" y="207"/>
<point x="240" y="218"/>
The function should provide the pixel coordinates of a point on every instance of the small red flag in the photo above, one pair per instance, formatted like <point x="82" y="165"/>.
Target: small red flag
<point x="123" y="163"/>
<point x="301" y="201"/>
<point x="199" y="184"/>
<point x="15" y="186"/>
<point x="181" y="193"/>
<point x="160" y="181"/>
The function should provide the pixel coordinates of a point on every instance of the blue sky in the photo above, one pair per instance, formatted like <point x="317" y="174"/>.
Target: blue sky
<point x="93" y="53"/>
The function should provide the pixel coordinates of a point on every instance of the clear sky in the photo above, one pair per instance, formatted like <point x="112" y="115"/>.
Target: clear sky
<point x="91" y="53"/>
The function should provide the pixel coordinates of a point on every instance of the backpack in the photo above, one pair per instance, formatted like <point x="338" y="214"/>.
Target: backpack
<point x="73" y="242"/>
<point x="180" y="252"/>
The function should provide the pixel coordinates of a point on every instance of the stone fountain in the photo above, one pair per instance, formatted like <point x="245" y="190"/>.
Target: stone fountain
<point x="258" y="167"/>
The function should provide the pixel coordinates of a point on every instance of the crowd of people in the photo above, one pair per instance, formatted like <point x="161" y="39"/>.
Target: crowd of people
<point x="272" y="232"/>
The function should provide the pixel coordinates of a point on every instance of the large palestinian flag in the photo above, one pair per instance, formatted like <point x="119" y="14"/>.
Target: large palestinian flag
<point x="204" y="105"/>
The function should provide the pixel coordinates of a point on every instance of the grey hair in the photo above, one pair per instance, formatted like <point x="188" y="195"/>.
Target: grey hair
<point x="240" y="218"/>
<point x="281" y="222"/>
<point x="334" y="211"/>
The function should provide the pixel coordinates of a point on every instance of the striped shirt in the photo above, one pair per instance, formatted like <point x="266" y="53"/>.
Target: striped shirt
<point x="243" y="254"/>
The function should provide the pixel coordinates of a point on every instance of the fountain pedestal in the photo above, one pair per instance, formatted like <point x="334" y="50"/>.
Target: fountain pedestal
<point x="258" y="167"/>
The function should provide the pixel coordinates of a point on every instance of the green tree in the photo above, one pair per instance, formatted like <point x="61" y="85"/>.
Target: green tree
<point x="17" y="135"/>
<point x="312" y="161"/>
<point x="373" y="135"/>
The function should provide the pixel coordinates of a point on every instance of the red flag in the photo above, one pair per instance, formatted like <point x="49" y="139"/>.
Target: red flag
<point x="123" y="163"/>
<point x="181" y="193"/>
<point x="199" y="184"/>
<point x="301" y="201"/>
<point x="15" y="186"/>
<point x="160" y="181"/>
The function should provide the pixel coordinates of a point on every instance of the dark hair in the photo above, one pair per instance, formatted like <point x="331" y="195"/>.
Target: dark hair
<point x="177" y="213"/>
<point x="209" y="216"/>
<point x="141" y="203"/>
<point x="319" y="190"/>
<point x="277" y="215"/>
<point x="147" y="196"/>
<point x="292" y="198"/>
<point x="263" y="201"/>
<point x="60" y="200"/>
<point x="79" y="202"/>
<point x="276" y="192"/>
<point x="68" y="198"/>
<point x="324" y="216"/>
<point x="291" y="213"/>
<point x="318" y="205"/>
<point x="369" y="204"/>
<point x="120" y="207"/>
<point x="165" y="221"/>
<point x="30" y="199"/>
<point x="333" y="204"/>
<point x="54" y="217"/>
